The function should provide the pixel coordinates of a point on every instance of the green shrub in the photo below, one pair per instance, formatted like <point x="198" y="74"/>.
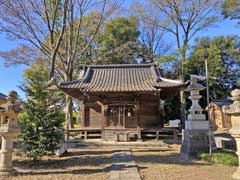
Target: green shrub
<point x="227" y="158"/>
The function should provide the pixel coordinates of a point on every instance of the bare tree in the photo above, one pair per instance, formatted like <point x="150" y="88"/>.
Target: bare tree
<point x="152" y="37"/>
<point x="42" y="23"/>
<point x="184" y="19"/>
<point x="22" y="54"/>
<point x="56" y="28"/>
<point x="33" y="21"/>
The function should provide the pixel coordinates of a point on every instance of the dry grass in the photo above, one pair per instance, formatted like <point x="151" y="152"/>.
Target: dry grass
<point x="84" y="164"/>
<point x="160" y="164"/>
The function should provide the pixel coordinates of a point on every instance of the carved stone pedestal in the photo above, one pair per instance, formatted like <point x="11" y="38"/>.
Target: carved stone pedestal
<point x="194" y="141"/>
<point x="6" y="156"/>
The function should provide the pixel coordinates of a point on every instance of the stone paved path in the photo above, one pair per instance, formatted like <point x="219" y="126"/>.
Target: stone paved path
<point x="123" y="167"/>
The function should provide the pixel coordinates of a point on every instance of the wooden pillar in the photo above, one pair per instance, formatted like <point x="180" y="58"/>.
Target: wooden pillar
<point x="137" y="113"/>
<point x="157" y="135"/>
<point x="175" y="135"/>
<point x="124" y="117"/>
<point x="119" y="116"/>
<point x="83" y="114"/>
<point x="103" y="109"/>
<point x="160" y="109"/>
<point x="85" y="135"/>
<point x="138" y="121"/>
<point x="2" y="118"/>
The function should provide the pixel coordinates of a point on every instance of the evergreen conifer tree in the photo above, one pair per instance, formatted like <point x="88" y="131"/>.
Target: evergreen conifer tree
<point x="42" y="120"/>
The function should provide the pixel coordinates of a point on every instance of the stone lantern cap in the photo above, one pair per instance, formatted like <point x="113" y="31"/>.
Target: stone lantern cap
<point x="12" y="103"/>
<point x="194" y="85"/>
<point x="234" y="108"/>
<point x="12" y="96"/>
<point x="8" y="118"/>
<point x="16" y="108"/>
<point x="235" y="95"/>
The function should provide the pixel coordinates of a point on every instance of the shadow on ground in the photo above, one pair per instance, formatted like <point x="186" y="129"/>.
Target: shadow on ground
<point x="86" y="161"/>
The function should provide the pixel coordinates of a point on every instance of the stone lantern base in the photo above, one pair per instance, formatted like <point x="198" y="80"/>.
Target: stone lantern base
<point x="7" y="171"/>
<point x="195" y="136"/>
<point x="236" y="175"/>
<point x="235" y="132"/>
<point x="194" y="141"/>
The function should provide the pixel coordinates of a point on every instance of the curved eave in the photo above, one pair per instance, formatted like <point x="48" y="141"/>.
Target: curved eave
<point x="120" y="78"/>
<point x="144" y="87"/>
<point x="86" y="90"/>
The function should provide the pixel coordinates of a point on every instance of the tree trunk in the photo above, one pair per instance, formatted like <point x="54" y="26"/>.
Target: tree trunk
<point x="52" y="65"/>
<point x="79" y="118"/>
<point x="69" y="115"/>
<point x="183" y="108"/>
<point x="69" y="111"/>
<point x="182" y="94"/>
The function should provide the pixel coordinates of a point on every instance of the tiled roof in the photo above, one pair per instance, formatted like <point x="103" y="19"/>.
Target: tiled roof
<point x="120" y="78"/>
<point x="222" y="103"/>
<point x="2" y="96"/>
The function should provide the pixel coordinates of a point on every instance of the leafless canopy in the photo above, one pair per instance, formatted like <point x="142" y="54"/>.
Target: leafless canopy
<point x="183" y="19"/>
<point x="151" y="34"/>
<point x="43" y="23"/>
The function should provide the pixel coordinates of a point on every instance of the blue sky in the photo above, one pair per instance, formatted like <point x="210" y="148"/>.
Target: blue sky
<point x="11" y="77"/>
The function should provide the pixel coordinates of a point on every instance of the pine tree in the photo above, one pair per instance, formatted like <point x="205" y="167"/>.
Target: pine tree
<point x="41" y="122"/>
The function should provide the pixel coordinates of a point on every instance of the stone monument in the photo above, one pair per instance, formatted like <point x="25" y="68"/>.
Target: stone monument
<point x="196" y="132"/>
<point x="234" y="111"/>
<point x="8" y="131"/>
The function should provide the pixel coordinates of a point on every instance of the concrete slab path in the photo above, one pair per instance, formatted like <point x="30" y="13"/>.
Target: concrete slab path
<point x="123" y="167"/>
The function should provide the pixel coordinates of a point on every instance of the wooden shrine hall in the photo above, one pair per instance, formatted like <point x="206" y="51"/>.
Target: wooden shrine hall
<point x="120" y="102"/>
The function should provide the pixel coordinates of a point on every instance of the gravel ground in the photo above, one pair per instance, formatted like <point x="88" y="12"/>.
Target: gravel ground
<point x="84" y="164"/>
<point x="94" y="163"/>
<point x="162" y="164"/>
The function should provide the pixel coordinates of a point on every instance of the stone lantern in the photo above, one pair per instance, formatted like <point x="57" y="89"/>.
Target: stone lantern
<point x="195" y="135"/>
<point x="234" y="111"/>
<point x="8" y="131"/>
